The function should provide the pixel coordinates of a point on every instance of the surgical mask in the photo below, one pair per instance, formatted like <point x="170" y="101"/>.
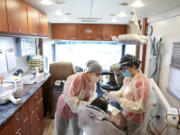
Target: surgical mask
<point x="94" y="79"/>
<point x="126" y="74"/>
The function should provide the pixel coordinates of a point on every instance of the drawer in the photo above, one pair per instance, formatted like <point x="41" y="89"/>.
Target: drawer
<point x="17" y="120"/>
<point x="34" y="100"/>
<point x="25" y="111"/>
<point x="16" y="123"/>
<point x="38" y="94"/>
<point x="33" y="123"/>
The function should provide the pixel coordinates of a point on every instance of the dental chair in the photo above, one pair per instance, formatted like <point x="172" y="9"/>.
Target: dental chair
<point x="94" y="121"/>
<point x="115" y="80"/>
<point x="114" y="83"/>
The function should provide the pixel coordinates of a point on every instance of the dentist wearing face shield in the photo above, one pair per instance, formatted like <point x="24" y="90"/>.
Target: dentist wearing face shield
<point x="134" y="96"/>
<point x="78" y="90"/>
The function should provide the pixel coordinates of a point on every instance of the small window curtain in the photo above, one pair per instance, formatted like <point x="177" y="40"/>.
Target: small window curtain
<point x="174" y="80"/>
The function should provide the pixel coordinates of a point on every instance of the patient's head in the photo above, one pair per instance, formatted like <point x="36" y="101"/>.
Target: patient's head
<point x="100" y="103"/>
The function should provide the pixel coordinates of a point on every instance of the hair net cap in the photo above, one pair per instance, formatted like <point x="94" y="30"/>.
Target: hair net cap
<point x="93" y="66"/>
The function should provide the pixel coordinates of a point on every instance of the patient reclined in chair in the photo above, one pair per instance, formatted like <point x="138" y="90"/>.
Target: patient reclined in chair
<point x="94" y="121"/>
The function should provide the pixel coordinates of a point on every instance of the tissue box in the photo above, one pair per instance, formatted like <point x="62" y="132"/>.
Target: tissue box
<point x="18" y="85"/>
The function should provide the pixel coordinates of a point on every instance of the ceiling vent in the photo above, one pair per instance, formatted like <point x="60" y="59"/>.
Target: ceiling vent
<point x="59" y="2"/>
<point x="124" y="4"/>
<point x="84" y="19"/>
<point x="113" y="14"/>
<point x="88" y="20"/>
<point x="67" y="13"/>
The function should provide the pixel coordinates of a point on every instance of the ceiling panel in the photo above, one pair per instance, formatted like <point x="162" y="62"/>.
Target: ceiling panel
<point x="102" y="9"/>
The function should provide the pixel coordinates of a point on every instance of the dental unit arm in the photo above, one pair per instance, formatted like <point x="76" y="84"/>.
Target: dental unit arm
<point x="173" y="114"/>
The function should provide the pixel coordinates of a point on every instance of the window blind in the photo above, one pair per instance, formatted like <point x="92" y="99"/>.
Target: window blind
<point x="174" y="80"/>
<point x="175" y="61"/>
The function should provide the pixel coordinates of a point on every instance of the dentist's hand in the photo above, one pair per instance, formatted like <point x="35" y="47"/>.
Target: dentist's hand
<point x="109" y="96"/>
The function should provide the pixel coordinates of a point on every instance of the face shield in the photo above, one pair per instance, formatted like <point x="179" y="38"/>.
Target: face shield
<point x="124" y="68"/>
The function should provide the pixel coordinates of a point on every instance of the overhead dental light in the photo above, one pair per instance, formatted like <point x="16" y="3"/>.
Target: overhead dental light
<point x="137" y="38"/>
<point x="46" y="2"/>
<point x="137" y="4"/>
<point x="134" y="21"/>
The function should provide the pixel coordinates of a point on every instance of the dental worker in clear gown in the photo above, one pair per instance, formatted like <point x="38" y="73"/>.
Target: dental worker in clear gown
<point x="134" y="96"/>
<point x="78" y="90"/>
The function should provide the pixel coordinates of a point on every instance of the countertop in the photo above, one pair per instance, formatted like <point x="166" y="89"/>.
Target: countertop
<point x="7" y="110"/>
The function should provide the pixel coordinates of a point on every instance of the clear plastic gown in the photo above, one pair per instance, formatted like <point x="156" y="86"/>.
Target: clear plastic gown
<point x="94" y="121"/>
<point x="77" y="91"/>
<point x="135" y="97"/>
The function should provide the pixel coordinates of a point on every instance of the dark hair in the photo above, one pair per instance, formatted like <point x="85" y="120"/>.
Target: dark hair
<point x="100" y="103"/>
<point x="130" y="60"/>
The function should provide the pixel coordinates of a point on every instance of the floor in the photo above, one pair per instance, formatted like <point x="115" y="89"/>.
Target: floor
<point x="49" y="126"/>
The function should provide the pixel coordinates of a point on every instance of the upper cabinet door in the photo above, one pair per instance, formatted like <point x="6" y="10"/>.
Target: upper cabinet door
<point x="17" y="16"/>
<point x="43" y="25"/>
<point x="33" y="21"/>
<point x="96" y="32"/>
<point x="89" y="31"/>
<point x="3" y="16"/>
<point x="113" y="30"/>
<point x="64" y="31"/>
<point x="84" y="32"/>
<point x="24" y="18"/>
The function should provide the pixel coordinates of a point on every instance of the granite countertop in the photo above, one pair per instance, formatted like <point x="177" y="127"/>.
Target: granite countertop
<point x="7" y="110"/>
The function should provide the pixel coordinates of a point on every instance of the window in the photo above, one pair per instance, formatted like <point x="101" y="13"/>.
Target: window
<point x="79" y="52"/>
<point x="48" y="53"/>
<point x="174" y="85"/>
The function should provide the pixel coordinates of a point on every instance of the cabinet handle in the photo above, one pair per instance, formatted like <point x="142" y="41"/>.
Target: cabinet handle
<point x="17" y="119"/>
<point x="19" y="29"/>
<point x="33" y="111"/>
<point x="40" y="101"/>
<point x="25" y="120"/>
<point x="38" y="119"/>
<point x="36" y="97"/>
<point x="37" y="108"/>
